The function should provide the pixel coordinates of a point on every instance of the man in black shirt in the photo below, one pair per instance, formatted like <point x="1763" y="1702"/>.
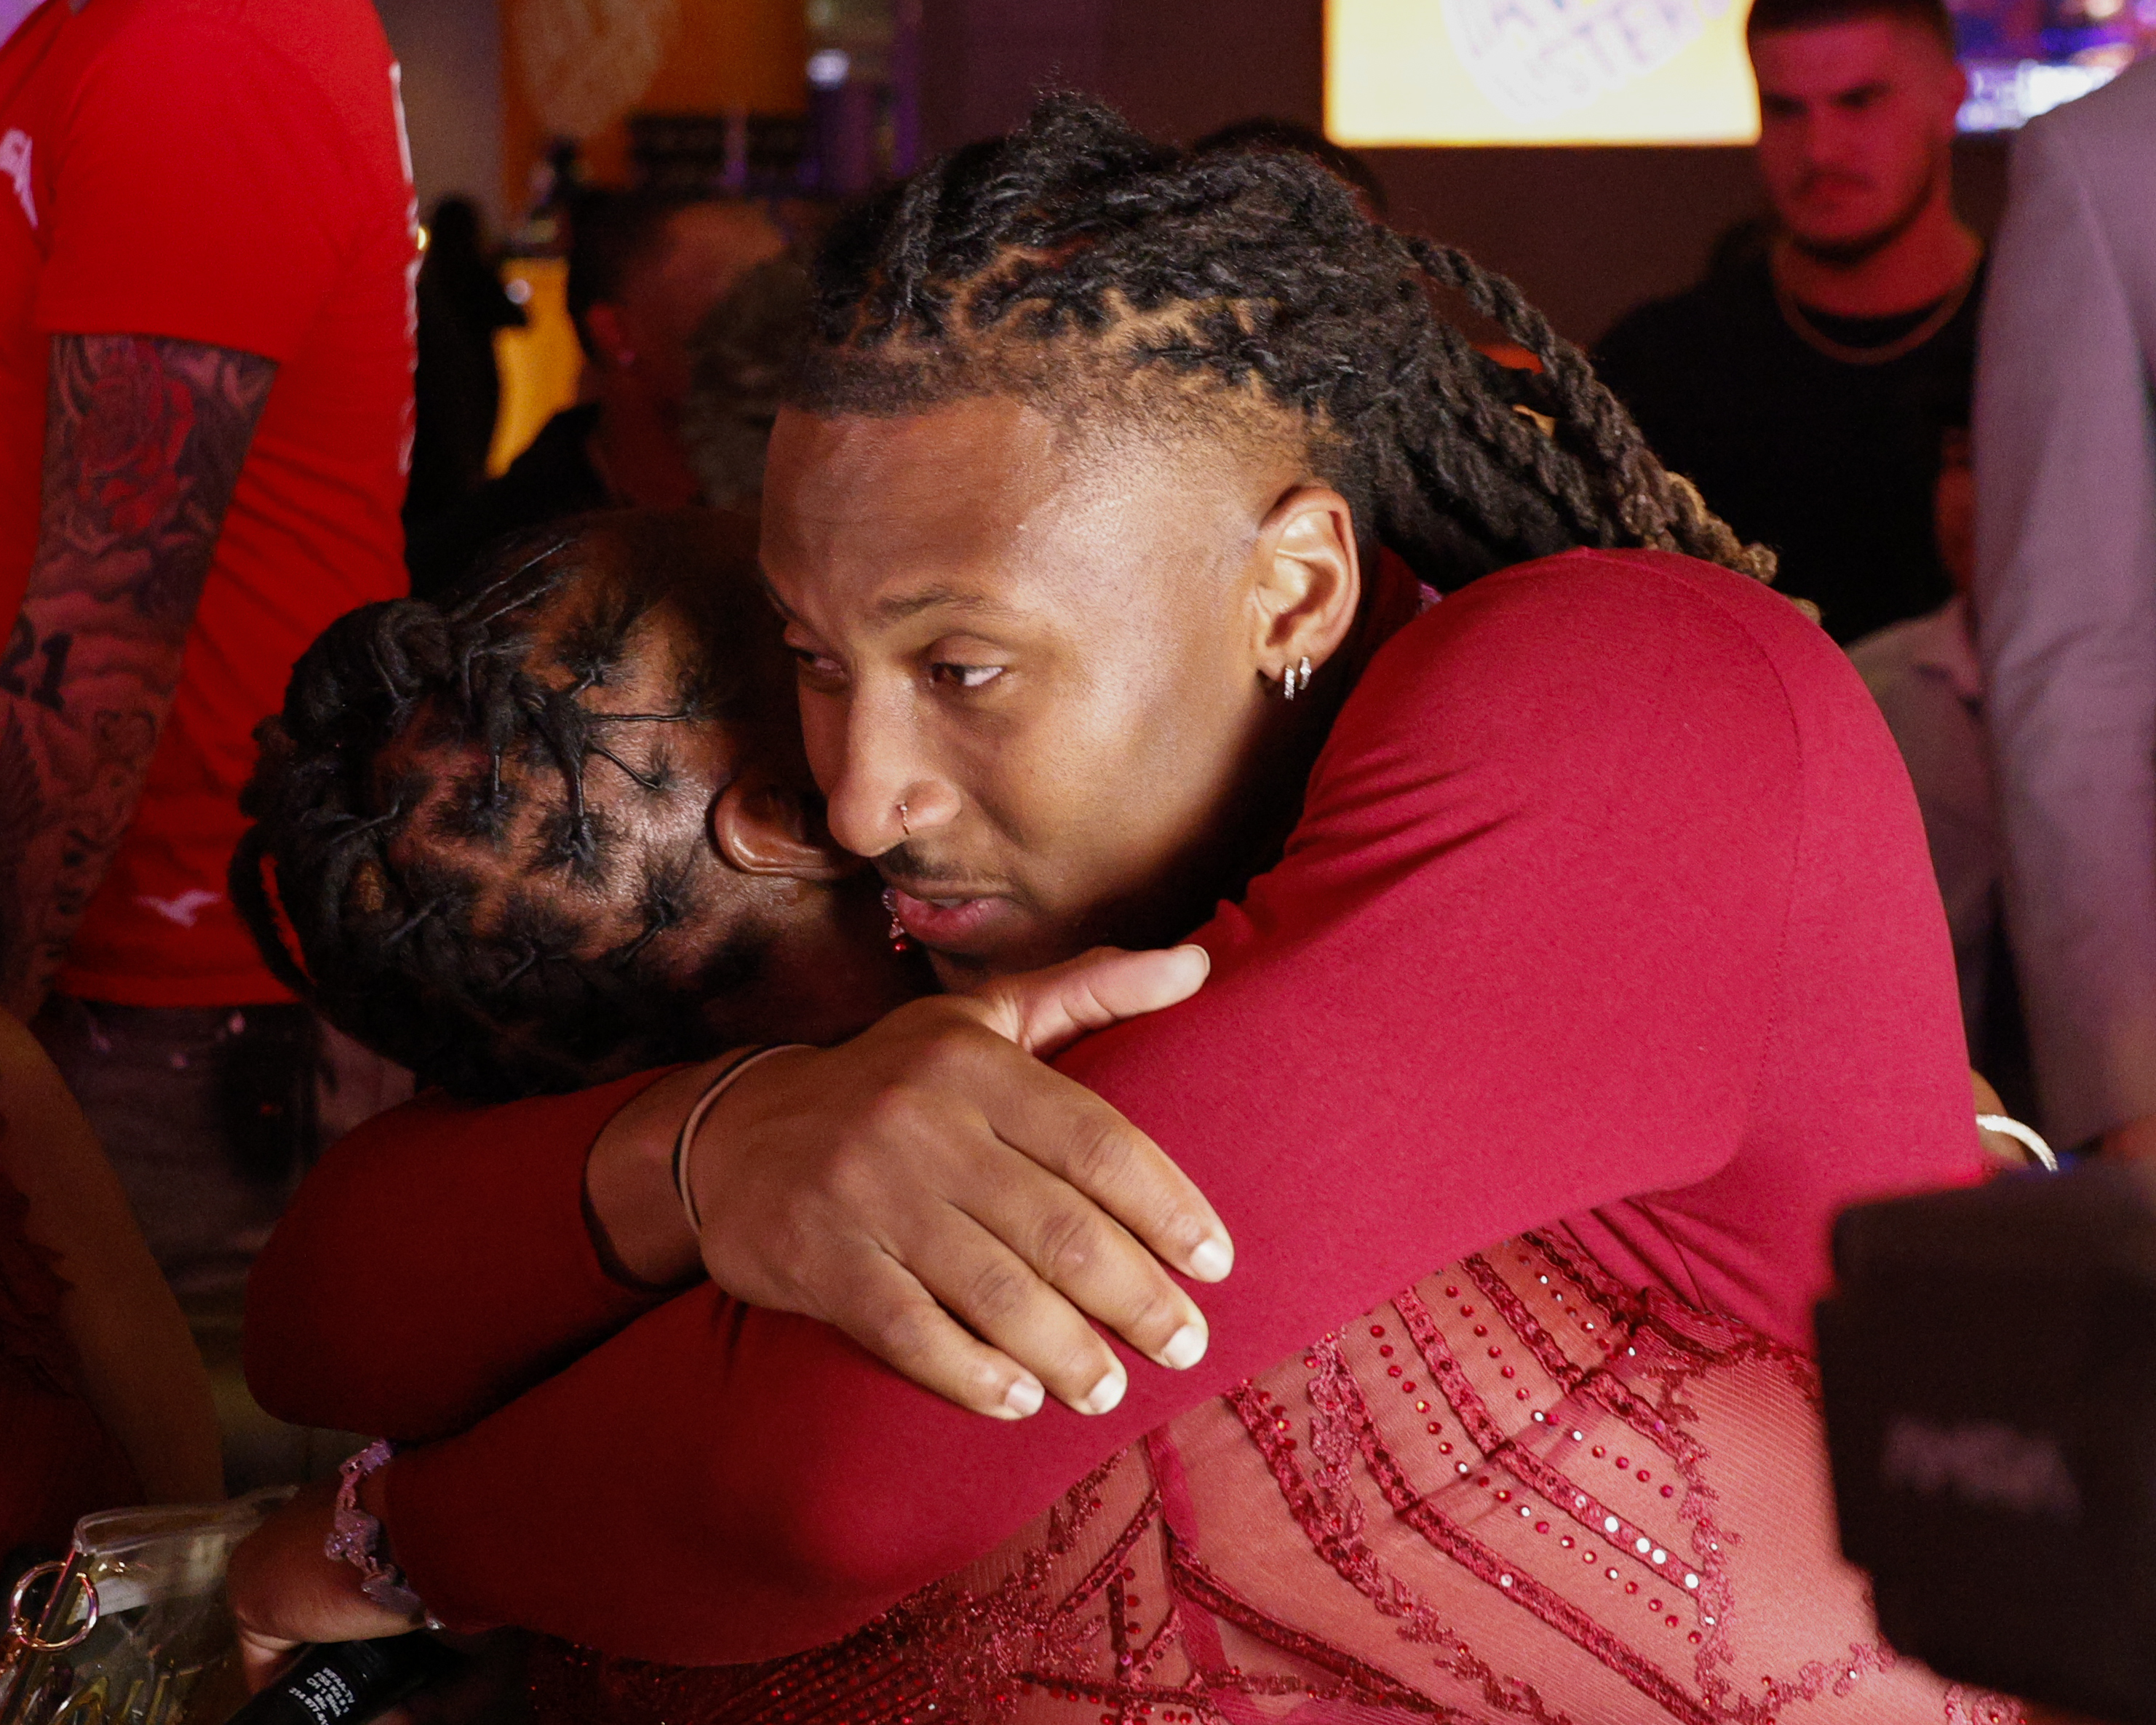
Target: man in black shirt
<point x="1795" y="384"/>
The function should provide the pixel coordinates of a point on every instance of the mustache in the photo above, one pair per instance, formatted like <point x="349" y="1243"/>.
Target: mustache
<point x="910" y="868"/>
<point x="905" y="865"/>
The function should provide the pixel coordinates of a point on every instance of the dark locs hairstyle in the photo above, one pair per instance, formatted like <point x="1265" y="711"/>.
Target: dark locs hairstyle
<point x="455" y="801"/>
<point x="1102" y="277"/>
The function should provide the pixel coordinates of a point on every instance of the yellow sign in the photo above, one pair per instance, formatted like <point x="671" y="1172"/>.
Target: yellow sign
<point x="1412" y="72"/>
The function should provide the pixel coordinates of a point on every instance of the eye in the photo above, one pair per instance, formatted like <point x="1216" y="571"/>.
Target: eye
<point x="965" y="676"/>
<point x="817" y="670"/>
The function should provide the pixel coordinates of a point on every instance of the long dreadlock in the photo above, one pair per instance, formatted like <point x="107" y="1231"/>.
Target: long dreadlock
<point x="451" y="799"/>
<point x="1080" y="265"/>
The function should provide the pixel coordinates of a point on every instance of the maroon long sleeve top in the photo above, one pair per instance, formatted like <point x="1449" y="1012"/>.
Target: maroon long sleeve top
<point x="1609" y="907"/>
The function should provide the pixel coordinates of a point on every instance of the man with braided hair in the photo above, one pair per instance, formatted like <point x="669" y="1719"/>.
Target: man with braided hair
<point x="1589" y="914"/>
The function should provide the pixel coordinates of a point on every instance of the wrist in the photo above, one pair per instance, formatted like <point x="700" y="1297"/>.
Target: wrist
<point x="631" y="1207"/>
<point x="358" y="1535"/>
<point x="688" y="1187"/>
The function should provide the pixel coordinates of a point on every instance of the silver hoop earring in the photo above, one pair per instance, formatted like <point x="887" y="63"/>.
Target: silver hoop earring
<point x="902" y="826"/>
<point x="1294" y="680"/>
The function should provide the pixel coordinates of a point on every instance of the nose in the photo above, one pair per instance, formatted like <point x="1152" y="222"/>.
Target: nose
<point x="880" y="785"/>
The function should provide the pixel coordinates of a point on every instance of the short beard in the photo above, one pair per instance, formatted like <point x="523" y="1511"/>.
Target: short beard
<point x="1849" y="253"/>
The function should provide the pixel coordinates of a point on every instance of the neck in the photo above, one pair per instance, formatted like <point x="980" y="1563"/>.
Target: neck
<point x="638" y="452"/>
<point x="1923" y="263"/>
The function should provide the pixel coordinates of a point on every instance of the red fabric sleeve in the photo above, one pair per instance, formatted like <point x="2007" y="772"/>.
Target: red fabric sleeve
<point x="354" y="1320"/>
<point x="202" y="190"/>
<point x="1534" y="952"/>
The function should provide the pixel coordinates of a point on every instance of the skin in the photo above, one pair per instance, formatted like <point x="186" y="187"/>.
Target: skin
<point x="639" y="347"/>
<point x="144" y="442"/>
<point x="1065" y="659"/>
<point x="1065" y="656"/>
<point x="1855" y="132"/>
<point x="738" y="798"/>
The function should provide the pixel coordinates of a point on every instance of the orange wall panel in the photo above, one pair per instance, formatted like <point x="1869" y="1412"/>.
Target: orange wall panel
<point x="579" y="67"/>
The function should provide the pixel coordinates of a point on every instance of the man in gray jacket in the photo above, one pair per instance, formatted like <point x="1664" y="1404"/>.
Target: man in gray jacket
<point x="2066" y="598"/>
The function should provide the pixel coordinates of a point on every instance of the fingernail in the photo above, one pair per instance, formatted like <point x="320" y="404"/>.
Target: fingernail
<point x="1185" y="1348"/>
<point x="1204" y="957"/>
<point x="1212" y="1259"/>
<point x="1103" y="1395"/>
<point x="1023" y="1399"/>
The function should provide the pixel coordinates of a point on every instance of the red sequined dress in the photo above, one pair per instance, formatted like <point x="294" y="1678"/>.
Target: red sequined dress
<point x="1518" y="1491"/>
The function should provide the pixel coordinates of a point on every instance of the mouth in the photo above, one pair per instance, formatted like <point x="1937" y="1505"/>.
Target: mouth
<point x="947" y="922"/>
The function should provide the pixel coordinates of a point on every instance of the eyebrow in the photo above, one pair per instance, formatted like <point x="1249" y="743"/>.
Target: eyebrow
<point x="899" y="606"/>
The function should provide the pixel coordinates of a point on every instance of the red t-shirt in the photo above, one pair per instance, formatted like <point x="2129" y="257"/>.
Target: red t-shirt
<point x="231" y="173"/>
<point x="1609" y="911"/>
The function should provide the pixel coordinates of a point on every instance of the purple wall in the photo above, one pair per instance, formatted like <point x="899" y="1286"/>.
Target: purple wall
<point x="1588" y="233"/>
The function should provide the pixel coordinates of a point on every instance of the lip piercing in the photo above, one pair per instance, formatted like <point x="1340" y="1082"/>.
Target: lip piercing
<point x="900" y="941"/>
<point x="902" y="826"/>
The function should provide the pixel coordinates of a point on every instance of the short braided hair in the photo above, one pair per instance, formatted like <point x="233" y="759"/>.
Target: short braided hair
<point x="451" y="801"/>
<point x="1090" y="271"/>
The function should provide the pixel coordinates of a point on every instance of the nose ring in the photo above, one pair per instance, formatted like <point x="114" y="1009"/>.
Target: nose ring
<point x="902" y="826"/>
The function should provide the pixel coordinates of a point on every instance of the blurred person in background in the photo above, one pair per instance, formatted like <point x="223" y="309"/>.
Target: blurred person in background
<point x="1792" y="385"/>
<point x="102" y="1399"/>
<point x="645" y="268"/>
<point x="741" y="359"/>
<point x="2066" y="591"/>
<point x="1923" y="674"/>
<point x="205" y="253"/>
<point x="456" y="388"/>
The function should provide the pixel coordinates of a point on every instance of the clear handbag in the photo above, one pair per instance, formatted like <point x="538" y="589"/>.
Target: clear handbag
<point x="131" y="1628"/>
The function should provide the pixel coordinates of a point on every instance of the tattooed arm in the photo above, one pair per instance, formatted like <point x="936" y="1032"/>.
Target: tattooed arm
<point x="144" y="439"/>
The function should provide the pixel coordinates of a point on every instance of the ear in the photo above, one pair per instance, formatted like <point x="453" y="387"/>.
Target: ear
<point x="1308" y="580"/>
<point x="761" y="826"/>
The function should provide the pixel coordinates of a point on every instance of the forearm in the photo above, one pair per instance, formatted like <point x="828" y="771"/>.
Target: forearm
<point x="634" y="1208"/>
<point x="144" y="442"/>
<point x="435" y="1262"/>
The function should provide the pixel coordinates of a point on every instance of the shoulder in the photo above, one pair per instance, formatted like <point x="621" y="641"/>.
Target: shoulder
<point x="1632" y="663"/>
<point x="276" y="59"/>
<point x="1612" y="616"/>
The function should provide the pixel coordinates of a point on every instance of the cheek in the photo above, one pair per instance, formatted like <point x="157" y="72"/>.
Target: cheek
<point x="824" y="738"/>
<point x="1137" y="763"/>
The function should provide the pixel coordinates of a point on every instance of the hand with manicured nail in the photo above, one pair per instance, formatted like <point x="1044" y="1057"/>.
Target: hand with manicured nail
<point x="935" y="1191"/>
